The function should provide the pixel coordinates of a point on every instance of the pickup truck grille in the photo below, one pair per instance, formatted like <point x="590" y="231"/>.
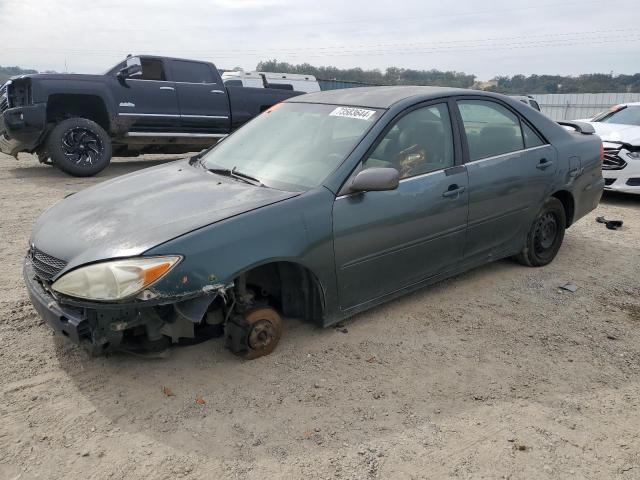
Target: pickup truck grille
<point x="612" y="160"/>
<point x="45" y="266"/>
<point x="4" y="97"/>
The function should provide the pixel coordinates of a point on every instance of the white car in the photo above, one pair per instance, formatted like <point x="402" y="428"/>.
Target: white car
<point x="619" y="129"/>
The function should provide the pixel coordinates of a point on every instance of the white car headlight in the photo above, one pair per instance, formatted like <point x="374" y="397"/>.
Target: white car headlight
<point x="114" y="280"/>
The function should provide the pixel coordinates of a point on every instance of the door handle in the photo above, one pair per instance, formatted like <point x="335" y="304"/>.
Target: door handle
<point x="217" y="91"/>
<point x="167" y="88"/>
<point x="544" y="164"/>
<point x="453" y="191"/>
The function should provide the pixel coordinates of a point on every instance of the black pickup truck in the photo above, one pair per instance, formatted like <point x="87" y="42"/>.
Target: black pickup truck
<point x="145" y="104"/>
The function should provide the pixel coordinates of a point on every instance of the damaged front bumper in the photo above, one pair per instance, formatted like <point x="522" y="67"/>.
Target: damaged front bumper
<point x="138" y="325"/>
<point x="22" y="129"/>
<point x="621" y="168"/>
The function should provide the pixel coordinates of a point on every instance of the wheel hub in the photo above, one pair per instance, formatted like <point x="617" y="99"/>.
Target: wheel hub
<point x="262" y="335"/>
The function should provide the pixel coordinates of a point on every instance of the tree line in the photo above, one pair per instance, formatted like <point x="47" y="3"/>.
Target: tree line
<point x="391" y="76"/>
<point x="516" y="84"/>
<point x="587" y="83"/>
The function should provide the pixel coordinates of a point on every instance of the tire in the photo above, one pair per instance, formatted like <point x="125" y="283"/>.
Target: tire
<point x="79" y="147"/>
<point x="545" y="235"/>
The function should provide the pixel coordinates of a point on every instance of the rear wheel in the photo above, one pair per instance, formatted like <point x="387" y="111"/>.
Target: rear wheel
<point x="545" y="235"/>
<point x="79" y="147"/>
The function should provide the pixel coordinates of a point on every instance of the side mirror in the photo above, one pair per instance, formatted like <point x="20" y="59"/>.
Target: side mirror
<point x="375" y="180"/>
<point x="130" y="71"/>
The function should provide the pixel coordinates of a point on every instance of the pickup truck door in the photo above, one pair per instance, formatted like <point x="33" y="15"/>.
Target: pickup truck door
<point x="203" y="100"/>
<point x="149" y="102"/>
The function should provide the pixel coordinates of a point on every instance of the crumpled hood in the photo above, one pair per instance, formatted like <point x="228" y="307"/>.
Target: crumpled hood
<point x="131" y="214"/>
<point x="616" y="132"/>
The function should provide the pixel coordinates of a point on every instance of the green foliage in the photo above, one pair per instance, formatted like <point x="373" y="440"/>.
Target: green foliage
<point x="8" y="72"/>
<point x="587" y="83"/>
<point x="517" y="84"/>
<point x="392" y="76"/>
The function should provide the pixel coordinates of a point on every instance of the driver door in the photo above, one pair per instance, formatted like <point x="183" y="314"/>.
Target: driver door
<point x="387" y="241"/>
<point x="148" y="102"/>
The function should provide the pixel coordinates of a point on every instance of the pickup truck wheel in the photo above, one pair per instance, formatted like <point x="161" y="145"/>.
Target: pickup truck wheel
<point x="545" y="235"/>
<point x="79" y="147"/>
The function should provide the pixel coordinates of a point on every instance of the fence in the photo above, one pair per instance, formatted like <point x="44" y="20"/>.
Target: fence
<point x="572" y="106"/>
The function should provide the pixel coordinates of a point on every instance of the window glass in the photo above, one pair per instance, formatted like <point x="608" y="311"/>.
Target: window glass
<point x="624" y="115"/>
<point x="531" y="138"/>
<point x="152" y="69"/>
<point x="293" y="146"/>
<point x="420" y="142"/>
<point x="191" y="72"/>
<point x="490" y="128"/>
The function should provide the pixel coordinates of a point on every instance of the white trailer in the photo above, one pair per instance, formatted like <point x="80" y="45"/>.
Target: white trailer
<point x="285" y="81"/>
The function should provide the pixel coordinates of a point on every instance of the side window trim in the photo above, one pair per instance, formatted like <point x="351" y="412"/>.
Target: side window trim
<point x="173" y="75"/>
<point x="524" y="121"/>
<point x="457" y="148"/>
<point x="399" y="118"/>
<point x="167" y="74"/>
<point x="463" y="133"/>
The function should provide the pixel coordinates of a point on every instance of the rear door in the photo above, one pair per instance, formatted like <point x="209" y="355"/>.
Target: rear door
<point x="148" y="102"/>
<point x="387" y="241"/>
<point x="204" y="105"/>
<point x="510" y="168"/>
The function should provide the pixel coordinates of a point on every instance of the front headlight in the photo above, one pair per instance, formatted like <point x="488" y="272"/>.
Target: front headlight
<point x="114" y="280"/>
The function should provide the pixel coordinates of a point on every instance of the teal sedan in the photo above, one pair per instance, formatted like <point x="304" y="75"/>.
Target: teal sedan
<point x="323" y="206"/>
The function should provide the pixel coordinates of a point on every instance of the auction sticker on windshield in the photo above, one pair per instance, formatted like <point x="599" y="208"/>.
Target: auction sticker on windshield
<point x="351" y="112"/>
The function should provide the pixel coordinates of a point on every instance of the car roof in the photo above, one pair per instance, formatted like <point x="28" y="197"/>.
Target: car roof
<point x="380" y="97"/>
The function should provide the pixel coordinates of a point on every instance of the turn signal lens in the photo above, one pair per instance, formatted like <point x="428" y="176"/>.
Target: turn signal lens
<point x="114" y="280"/>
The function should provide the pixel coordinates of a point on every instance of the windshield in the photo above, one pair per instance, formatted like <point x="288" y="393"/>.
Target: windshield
<point x="293" y="146"/>
<point x="624" y="115"/>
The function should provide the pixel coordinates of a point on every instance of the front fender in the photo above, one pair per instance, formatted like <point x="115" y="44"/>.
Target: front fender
<point x="297" y="230"/>
<point x="94" y="85"/>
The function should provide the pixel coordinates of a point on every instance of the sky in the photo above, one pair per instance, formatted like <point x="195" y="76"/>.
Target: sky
<point x="490" y="38"/>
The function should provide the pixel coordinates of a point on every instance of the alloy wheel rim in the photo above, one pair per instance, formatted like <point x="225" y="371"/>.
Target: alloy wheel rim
<point x="82" y="146"/>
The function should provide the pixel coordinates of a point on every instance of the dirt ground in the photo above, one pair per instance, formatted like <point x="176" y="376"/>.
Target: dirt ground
<point x="496" y="373"/>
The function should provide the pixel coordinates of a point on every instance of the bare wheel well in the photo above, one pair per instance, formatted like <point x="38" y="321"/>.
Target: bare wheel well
<point x="91" y="107"/>
<point x="293" y="288"/>
<point x="568" y="203"/>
